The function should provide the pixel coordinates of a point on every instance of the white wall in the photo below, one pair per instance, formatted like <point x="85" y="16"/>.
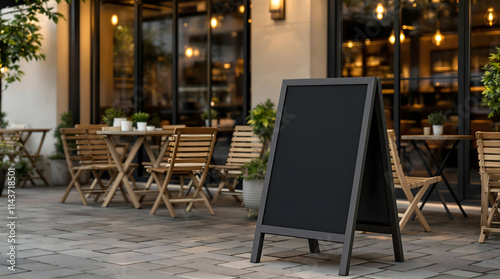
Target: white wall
<point x="33" y="101"/>
<point x="291" y="48"/>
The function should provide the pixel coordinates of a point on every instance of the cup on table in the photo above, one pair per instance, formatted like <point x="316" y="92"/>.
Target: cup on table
<point x="126" y="125"/>
<point x="427" y="131"/>
<point x="150" y="128"/>
<point x="117" y="121"/>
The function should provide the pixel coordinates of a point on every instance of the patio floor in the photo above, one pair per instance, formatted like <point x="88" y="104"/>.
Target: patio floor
<point x="73" y="241"/>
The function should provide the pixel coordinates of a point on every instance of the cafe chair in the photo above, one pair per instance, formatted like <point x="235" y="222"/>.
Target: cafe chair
<point x="190" y="152"/>
<point x="407" y="184"/>
<point x="245" y="146"/>
<point x="83" y="154"/>
<point x="488" y="151"/>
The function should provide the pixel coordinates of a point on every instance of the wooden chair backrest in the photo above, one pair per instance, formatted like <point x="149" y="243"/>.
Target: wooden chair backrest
<point x="488" y="151"/>
<point x="99" y="151"/>
<point x="76" y="147"/>
<point x="245" y="146"/>
<point x="192" y="148"/>
<point x="170" y="128"/>
<point x="397" y="169"/>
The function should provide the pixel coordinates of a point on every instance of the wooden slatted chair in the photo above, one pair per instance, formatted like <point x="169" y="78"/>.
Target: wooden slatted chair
<point x="407" y="183"/>
<point x="79" y="157"/>
<point x="190" y="152"/>
<point x="488" y="150"/>
<point x="245" y="146"/>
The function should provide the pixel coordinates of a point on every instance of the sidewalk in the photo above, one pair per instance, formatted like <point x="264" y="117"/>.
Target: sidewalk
<point x="73" y="241"/>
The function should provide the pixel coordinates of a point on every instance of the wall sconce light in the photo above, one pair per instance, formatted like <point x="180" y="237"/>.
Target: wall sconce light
<point x="392" y="38"/>
<point x="114" y="20"/>
<point x="490" y="17"/>
<point x="277" y="9"/>
<point x="438" y="38"/>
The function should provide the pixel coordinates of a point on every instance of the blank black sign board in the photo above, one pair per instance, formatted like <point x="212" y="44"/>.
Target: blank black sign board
<point x="329" y="170"/>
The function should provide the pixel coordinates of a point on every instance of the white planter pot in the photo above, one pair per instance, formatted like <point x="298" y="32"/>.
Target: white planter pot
<point x="214" y="122"/>
<point x="252" y="193"/>
<point x="437" y="130"/>
<point x="59" y="172"/>
<point x="141" y="126"/>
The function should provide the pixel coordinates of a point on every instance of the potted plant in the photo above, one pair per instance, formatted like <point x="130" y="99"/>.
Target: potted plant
<point x="491" y="82"/>
<point x="7" y="151"/>
<point x="58" y="167"/>
<point x="213" y="113"/>
<point x="261" y="119"/>
<point x="437" y="119"/>
<point x="110" y="114"/>
<point x="141" y="118"/>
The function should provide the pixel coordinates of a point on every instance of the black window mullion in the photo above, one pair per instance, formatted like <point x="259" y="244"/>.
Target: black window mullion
<point x="138" y="71"/>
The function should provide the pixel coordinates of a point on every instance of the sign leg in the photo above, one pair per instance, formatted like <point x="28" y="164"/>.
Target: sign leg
<point x="313" y="246"/>
<point x="258" y="241"/>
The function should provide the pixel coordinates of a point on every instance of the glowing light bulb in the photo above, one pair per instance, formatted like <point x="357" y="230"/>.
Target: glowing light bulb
<point x="380" y="11"/>
<point x="350" y="44"/>
<point x="241" y="8"/>
<point x="438" y="38"/>
<point x="490" y="17"/>
<point x="114" y="20"/>
<point x="392" y="38"/>
<point x="214" y="22"/>
<point x="189" y="52"/>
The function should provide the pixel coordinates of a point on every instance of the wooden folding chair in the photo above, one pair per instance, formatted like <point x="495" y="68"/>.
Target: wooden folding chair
<point x="190" y="151"/>
<point x="245" y="146"/>
<point x="488" y="150"/>
<point x="80" y="157"/>
<point x="407" y="183"/>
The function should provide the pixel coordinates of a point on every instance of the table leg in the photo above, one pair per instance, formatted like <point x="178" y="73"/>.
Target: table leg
<point x="122" y="176"/>
<point x="439" y="172"/>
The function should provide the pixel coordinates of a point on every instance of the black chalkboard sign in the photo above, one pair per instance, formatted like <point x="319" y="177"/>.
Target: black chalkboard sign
<point x="329" y="168"/>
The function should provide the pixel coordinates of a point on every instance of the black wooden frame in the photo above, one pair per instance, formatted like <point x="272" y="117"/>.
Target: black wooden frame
<point x="373" y="107"/>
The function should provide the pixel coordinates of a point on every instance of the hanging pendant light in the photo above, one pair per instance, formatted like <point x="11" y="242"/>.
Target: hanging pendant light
<point x="392" y="38"/>
<point x="490" y="18"/>
<point x="438" y="38"/>
<point x="380" y="11"/>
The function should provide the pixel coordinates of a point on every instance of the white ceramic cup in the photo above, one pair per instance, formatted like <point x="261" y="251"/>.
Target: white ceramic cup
<point x="150" y="128"/>
<point x="141" y="126"/>
<point x="427" y="131"/>
<point x="126" y="125"/>
<point x="117" y="121"/>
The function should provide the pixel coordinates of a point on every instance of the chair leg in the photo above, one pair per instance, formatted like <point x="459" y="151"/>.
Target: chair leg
<point x="74" y="184"/>
<point x="198" y="192"/>
<point x="485" y="196"/>
<point x="162" y="196"/>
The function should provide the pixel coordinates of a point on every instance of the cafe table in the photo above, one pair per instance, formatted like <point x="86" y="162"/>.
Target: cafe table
<point x="415" y="140"/>
<point x="141" y="139"/>
<point x="24" y="135"/>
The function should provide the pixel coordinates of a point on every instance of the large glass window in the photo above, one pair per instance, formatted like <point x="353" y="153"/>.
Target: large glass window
<point x="368" y="45"/>
<point x="116" y="65"/>
<point x="157" y="58"/>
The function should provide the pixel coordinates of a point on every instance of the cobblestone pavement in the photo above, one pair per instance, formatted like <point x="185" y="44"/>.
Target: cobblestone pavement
<point x="73" y="241"/>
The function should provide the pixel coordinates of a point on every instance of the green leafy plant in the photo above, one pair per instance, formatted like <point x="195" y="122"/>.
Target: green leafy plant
<point x="8" y="151"/>
<point x="262" y="119"/>
<point x="20" y="35"/>
<point x="491" y="82"/>
<point x="110" y="114"/>
<point x="255" y="169"/>
<point x="3" y="123"/>
<point x="436" y="118"/>
<point x="213" y="113"/>
<point x="22" y="168"/>
<point x="66" y="122"/>
<point x="140" y="117"/>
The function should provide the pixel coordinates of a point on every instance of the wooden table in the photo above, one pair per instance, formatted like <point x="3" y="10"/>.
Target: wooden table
<point x="123" y="166"/>
<point x="24" y="135"/>
<point x="415" y="139"/>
